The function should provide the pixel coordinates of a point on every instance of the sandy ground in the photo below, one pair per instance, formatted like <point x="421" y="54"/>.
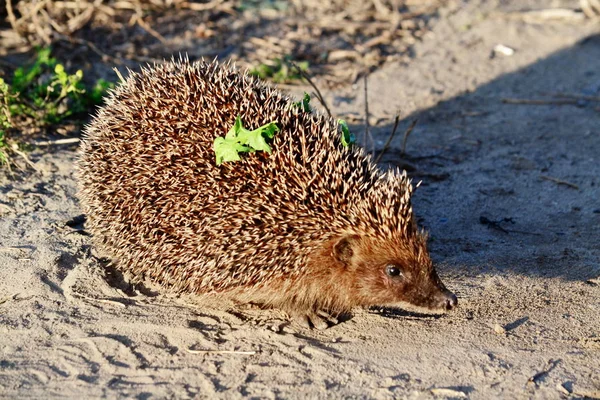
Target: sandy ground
<point x="528" y="324"/>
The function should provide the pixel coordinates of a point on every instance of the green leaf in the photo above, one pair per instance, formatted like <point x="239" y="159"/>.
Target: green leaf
<point x="241" y="140"/>
<point x="255" y="140"/>
<point x="235" y="129"/>
<point x="348" y="137"/>
<point x="228" y="149"/>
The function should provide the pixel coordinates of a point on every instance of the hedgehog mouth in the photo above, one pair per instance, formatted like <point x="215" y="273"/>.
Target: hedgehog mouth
<point x="416" y="308"/>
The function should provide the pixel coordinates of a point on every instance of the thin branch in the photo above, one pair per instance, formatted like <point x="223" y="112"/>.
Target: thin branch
<point x="56" y="142"/>
<point x="11" y="16"/>
<point x="220" y="352"/>
<point x="367" y="135"/>
<point x="576" y="97"/>
<point x="389" y="141"/>
<point x="407" y="134"/>
<point x="140" y="21"/>
<point x="24" y="157"/>
<point x="539" y="102"/>
<point x="304" y="75"/>
<point x="559" y="181"/>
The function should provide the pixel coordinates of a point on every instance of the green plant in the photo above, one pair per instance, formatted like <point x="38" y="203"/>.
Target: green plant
<point x="24" y="76"/>
<point x="3" y="150"/>
<point x="96" y="95"/>
<point x="5" y="123"/>
<point x="41" y="95"/>
<point x="348" y="137"/>
<point x="304" y="104"/>
<point x="241" y="140"/>
<point x="280" y="70"/>
<point x="48" y="94"/>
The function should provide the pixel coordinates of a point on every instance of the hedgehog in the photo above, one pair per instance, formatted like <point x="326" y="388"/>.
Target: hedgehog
<point x="314" y="227"/>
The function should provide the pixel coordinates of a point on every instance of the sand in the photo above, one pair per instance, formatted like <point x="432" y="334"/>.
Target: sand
<point x="528" y="323"/>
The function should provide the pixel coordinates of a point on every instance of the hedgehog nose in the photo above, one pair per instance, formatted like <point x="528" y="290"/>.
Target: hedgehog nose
<point x="450" y="301"/>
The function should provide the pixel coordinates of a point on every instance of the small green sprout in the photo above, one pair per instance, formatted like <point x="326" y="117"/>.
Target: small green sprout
<point x="241" y="140"/>
<point x="66" y="83"/>
<point x="304" y="104"/>
<point x="348" y="137"/>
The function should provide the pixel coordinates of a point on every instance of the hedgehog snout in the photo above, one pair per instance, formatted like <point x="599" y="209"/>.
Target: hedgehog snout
<point x="446" y="300"/>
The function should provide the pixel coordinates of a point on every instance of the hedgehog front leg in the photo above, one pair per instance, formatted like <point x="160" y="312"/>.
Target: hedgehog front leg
<point x="319" y="320"/>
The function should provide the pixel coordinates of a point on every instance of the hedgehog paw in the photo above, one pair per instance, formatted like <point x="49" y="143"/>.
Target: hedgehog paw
<point x="319" y="320"/>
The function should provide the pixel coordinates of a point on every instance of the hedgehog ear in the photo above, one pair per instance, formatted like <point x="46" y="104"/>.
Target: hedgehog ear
<point x="343" y="249"/>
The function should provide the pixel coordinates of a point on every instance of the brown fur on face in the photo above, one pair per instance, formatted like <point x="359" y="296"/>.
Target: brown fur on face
<point x="354" y="271"/>
<point x="392" y="272"/>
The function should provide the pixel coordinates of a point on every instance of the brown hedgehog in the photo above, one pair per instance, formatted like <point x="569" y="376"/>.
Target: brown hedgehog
<point x="312" y="228"/>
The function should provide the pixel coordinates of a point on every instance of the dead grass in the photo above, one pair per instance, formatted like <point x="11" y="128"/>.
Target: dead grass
<point x="341" y="39"/>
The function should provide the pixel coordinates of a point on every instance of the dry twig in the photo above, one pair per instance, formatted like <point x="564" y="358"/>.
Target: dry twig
<point x="389" y="140"/>
<point x="559" y="181"/>
<point x="306" y="77"/>
<point x="407" y="134"/>
<point x="24" y="157"/>
<point x="56" y="142"/>
<point x="591" y="8"/>
<point x="576" y="96"/>
<point x="538" y="102"/>
<point x="368" y="139"/>
<point x="249" y="353"/>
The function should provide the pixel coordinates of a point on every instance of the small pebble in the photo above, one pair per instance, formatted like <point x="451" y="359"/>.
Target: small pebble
<point x="504" y="50"/>
<point x="499" y="329"/>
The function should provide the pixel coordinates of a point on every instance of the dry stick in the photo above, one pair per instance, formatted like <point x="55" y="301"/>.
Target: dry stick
<point x="551" y="14"/>
<point x="559" y="181"/>
<point x="39" y="29"/>
<point x="367" y="135"/>
<point x="56" y="142"/>
<point x="200" y="7"/>
<point x="389" y="141"/>
<point x="311" y="83"/>
<point x="52" y="22"/>
<point x="105" y="301"/>
<point x="220" y="352"/>
<point x="11" y="15"/>
<point x="447" y="392"/>
<point x="27" y="160"/>
<point x="589" y="9"/>
<point x="538" y="102"/>
<point x="32" y="12"/>
<point x="407" y="134"/>
<point x="149" y="29"/>
<point x="576" y="96"/>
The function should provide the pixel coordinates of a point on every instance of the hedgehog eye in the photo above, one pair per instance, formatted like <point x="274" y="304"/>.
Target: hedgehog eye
<point x="393" y="270"/>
